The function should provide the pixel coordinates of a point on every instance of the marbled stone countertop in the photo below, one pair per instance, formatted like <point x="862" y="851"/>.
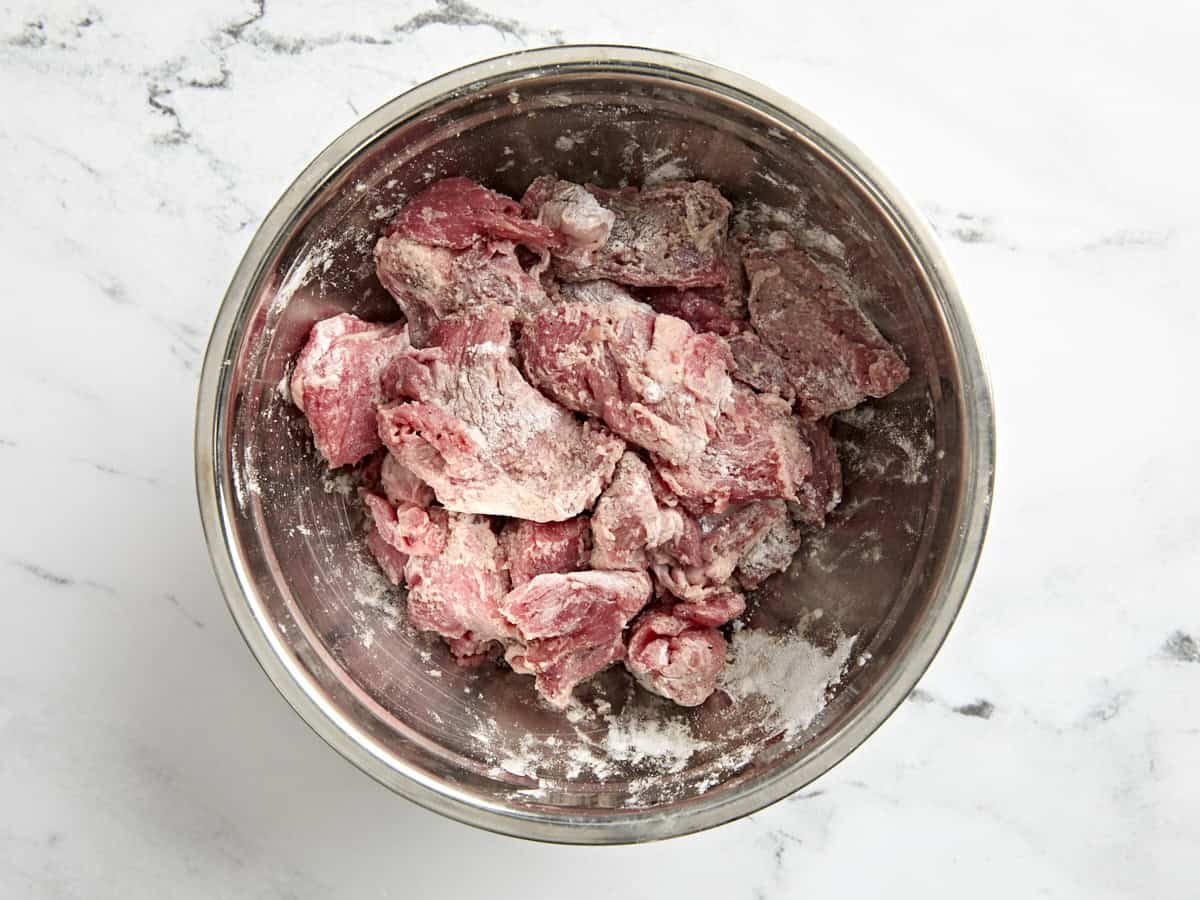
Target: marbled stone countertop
<point x="1050" y="751"/>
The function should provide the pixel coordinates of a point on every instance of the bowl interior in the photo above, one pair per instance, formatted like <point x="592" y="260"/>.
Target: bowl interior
<point x="479" y="737"/>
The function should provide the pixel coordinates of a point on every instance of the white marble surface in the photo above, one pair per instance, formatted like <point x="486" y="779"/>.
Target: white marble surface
<point x="1052" y="748"/>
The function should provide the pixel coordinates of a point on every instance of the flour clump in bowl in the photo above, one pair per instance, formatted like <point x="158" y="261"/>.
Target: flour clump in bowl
<point x="599" y="422"/>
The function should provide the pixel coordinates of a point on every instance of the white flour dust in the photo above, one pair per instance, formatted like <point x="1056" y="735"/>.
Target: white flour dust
<point x="790" y="674"/>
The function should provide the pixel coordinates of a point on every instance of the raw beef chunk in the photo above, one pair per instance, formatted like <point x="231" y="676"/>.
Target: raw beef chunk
<point x="336" y="383"/>
<point x="672" y="235"/>
<point x="533" y="548"/>
<point x="833" y="354"/>
<point x="580" y="223"/>
<point x="400" y="485"/>
<point x="628" y="519"/>
<point x="410" y="529"/>
<point x="756" y="454"/>
<point x="432" y="282"/>
<point x="675" y="658"/>
<point x="599" y="291"/>
<point x="650" y="378"/>
<point x="821" y="491"/>
<point x="704" y="314"/>
<point x="571" y="626"/>
<point x="457" y="213"/>
<point x="472" y="428"/>
<point x="390" y="560"/>
<point x="756" y="364"/>
<point x="724" y="539"/>
<point x="772" y="553"/>
<point x="457" y="592"/>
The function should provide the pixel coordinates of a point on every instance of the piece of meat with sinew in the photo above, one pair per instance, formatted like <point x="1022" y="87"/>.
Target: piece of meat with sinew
<point x="401" y="485"/>
<point x="675" y="658"/>
<point x="571" y="626"/>
<point x="821" y="491"/>
<point x="628" y="520"/>
<point x="756" y="364"/>
<point x="457" y="213"/>
<point x="469" y="425"/>
<point x="457" y="592"/>
<point x="833" y="354"/>
<point x="650" y="378"/>
<point x="336" y="383"/>
<point x="430" y="282"/>
<point x="724" y="540"/>
<point x="411" y="529"/>
<point x="756" y="454"/>
<point x="536" y="548"/>
<point x="669" y="235"/>
<point x="581" y="224"/>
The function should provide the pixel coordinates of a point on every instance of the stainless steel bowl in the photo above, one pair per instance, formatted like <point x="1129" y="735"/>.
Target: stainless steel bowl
<point x="893" y="566"/>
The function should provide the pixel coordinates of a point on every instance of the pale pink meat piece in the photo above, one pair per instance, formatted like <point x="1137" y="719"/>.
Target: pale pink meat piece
<point x="412" y="530"/>
<point x="821" y="491"/>
<point x="725" y="538"/>
<point x="628" y="520"/>
<point x="581" y="224"/>
<point x="833" y="354"/>
<point x="457" y="592"/>
<point x="401" y="485"/>
<point x="756" y="454"/>
<point x="336" y="383"/>
<point x="457" y="213"/>
<point x="390" y="560"/>
<point x="672" y="234"/>
<point x="571" y="626"/>
<point x="675" y="658"/>
<point x="431" y="282"/>
<point x="650" y="378"/>
<point x="469" y="425"/>
<point x="537" y="548"/>
<point x="756" y="364"/>
<point x="713" y="607"/>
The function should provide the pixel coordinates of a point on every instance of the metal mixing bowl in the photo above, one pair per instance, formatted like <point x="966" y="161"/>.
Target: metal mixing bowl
<point x="285" y="539"/>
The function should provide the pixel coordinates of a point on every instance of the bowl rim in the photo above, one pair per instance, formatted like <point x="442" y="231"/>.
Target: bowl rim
<point x="298" y="686"/>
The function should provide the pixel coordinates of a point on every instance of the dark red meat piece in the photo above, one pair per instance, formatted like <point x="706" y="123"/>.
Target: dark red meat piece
<point x="628" y="519"/>
<point x="650" y="378"/>
<point x="756" y="454"/>
<point x="821" y="491"/>
<point x="457" y="592"/>
<point x="756" y="364"/>
<point x="457" y="213"/>
<point x="571" y="626"/>
<point x="535" y="548"/>
<point x="672" y="235"/>
<point x="430" y="283"/>
<point x="833" y="354"/>
<point x="336" y="383"/>
<point x="703" y="313"/>
<point x="472" y="428"/>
